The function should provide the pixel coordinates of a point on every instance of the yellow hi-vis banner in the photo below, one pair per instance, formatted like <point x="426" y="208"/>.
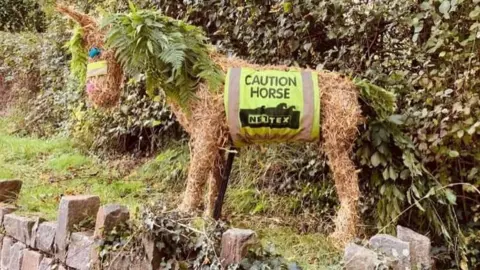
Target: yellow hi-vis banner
<point x="266" y="106"/>
<point x="97" y="69"/>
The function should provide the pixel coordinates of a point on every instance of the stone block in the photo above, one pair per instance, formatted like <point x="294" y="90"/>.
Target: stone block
<point x="18" y="227"/>
<point x="72" y="211"/>
<point x="1" y="245"/>
<point x="420" y="246"/>
<point x="357" y="257"/>
<point x="9" y="190"/>
<point x="16" y="256"/>
<point x="37" y="223"/>
<point x="108" y="217"/>
<point x="393" y="247"/>
<point x="50" y="264"/>
<point x="6" y="248"/>
<point x="152" y="253"/>
<point x="5" y="210"/>
<point x="46" y="264"/>
<point x="235" y="244"/>
<point x="80" y="251"/>
<point x="45" y="236"/>
<point x="31" y="260"/>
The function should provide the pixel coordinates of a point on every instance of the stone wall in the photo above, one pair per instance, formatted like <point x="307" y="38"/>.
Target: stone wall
<point x="34" y="244"/>
<point x="408" y="251"/>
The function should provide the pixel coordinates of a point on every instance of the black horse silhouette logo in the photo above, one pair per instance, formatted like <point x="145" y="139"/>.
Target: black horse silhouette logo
<point x="281" y="116"/>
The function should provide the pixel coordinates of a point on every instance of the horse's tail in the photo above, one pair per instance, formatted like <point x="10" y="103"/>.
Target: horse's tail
<point x="382" y="101"/>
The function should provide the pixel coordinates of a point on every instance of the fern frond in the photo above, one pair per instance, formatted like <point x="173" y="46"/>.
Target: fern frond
<point x="383" y="102"/>
<point x="78" y="63"/>
<point x="173" y="53"/>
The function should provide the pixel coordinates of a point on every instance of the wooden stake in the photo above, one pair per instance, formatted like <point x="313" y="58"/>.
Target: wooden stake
<point x="223" y="188"/>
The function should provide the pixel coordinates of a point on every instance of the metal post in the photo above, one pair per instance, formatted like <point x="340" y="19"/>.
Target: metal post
<point x="223" y="188"/>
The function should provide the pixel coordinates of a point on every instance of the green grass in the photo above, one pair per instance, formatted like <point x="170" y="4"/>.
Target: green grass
<point x="312" y="251"/>
<point x="54" y="167"/>
<point x="67" y="161"/>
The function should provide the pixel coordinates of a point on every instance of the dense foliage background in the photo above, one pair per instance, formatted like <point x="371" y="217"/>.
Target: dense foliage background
<point x="419" y="164"/>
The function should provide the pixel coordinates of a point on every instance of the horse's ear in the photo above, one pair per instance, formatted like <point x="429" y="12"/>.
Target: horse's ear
<point x="81" y="18"/>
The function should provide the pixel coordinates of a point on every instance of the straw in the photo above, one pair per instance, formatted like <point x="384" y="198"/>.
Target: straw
<point x="340" y="117"/>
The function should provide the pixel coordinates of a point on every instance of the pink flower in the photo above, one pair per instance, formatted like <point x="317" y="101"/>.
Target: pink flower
<point x="90" y="87"/>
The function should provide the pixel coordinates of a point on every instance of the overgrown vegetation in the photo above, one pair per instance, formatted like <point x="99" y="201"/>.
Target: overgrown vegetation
<point x="16" y="16"/>
<point x="419" y="160"/>
<point x="182" y="241"/>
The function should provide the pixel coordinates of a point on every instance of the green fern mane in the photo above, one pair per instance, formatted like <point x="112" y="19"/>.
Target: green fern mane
<point x="78" y="63"/>
<point x="171" y="53"/>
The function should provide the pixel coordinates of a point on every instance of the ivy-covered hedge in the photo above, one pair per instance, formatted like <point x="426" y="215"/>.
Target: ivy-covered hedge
<point x="425" y="51"/>
<point x="22" y="15"/>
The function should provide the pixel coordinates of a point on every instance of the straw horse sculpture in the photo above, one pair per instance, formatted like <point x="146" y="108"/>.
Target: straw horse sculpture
<point x="206" y="124"/>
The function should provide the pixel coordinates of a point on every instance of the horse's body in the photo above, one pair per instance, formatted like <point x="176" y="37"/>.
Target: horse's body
<point x="206" y="124"/>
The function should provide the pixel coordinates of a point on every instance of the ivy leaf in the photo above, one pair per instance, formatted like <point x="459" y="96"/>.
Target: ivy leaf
<point x="453" y="154"/>
<point x="376" y="159"/>
<point x="474" y="13"/>
<point x="393" y="174"/>
<point x="472" y="173"/>
<point x="386" y="174"/>
<point x="430" y="192"/>
<point x="445" y="8"/>
<point x="293" y="44"/>
<point x="150" y="47"/>
<point x="287" y="7"/>
<point x="397" y="119"/>
<point x="425" y="5"/>
<point x="404" y="174"/>
<point x="451" y="197"/>
<point x="473" y="128"/>
<point x="307" y="46"/>
<point x="398" y="193"/>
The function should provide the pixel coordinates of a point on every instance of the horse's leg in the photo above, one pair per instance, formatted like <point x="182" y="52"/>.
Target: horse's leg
<point x="340" y="117"/>
<point x="206" y="126"/>
<point x="214" y="182"/>
<point x="205" y="146"/>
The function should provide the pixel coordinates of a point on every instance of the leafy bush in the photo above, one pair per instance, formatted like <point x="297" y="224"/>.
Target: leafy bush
<point x="19" y="73"/>
<point x="182" y="241"/>
<point x="23" y="15"/>
<point x="139" y="125"/>
<point x="194" y="243"/>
